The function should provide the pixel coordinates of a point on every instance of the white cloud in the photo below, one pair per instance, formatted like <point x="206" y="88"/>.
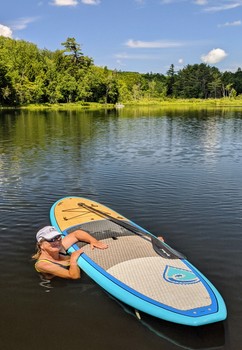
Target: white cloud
<point x="201" y="2"/>
<point x="141" y="3"/>
<point x="5" y="31"/>
<point x="22" y="23"/>
<point x="231" y="24"/>
<point x="64" y="2"/>
<point x="214" y="56"/>
<point x="217" y="5"/>
<point x="120" y="63"/>
<point x="170" y="1"/>
<point x="161" y="44"/>
<point x="125" y="56"/>
<point x="222" y="7"/>
<point x="90" y="2"/>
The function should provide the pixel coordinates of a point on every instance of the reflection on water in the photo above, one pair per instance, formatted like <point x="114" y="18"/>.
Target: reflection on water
<point x="209" y="336"/>
<point x="45" y="284"/>
<point x="175" y="172"/>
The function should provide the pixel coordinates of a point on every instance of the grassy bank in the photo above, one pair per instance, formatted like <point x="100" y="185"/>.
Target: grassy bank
<point x="67" y="106"/>
<point x="172" y="102"/>
<point x="223" y="102"/>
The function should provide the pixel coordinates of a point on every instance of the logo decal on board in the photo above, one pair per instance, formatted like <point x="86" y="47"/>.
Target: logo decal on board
<point x="179" y="276"/>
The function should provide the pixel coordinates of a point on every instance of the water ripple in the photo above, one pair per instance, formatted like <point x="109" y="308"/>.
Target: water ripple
<point x="176" y="174"/>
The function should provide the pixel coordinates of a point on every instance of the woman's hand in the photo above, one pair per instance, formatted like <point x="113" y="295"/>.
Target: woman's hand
<point x="83" y="236"/>
<point x="75" y="255"/>
<point x="74" y="270"/>
<point x="98" y="244"/>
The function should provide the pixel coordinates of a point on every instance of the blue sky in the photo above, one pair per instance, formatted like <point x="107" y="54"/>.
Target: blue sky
<point x="133" y="35"/>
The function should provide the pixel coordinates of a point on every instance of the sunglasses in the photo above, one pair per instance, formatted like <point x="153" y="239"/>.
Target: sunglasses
<point x="56" y="238"/>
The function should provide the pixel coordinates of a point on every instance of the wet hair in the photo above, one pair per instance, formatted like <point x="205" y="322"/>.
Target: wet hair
<point x="38" y="251"/>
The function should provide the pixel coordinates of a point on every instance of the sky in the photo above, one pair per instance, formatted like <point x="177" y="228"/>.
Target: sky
<point x="133" y="35"/>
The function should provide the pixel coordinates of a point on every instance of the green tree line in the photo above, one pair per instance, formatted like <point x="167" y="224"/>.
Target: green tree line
<point x="32" y="75"/>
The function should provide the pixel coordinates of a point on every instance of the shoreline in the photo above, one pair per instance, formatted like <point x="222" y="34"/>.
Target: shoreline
<point x="172" y="103"/>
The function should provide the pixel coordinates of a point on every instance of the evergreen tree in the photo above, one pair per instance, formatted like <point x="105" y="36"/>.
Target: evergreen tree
<point x="171" y="78"/>
<point x="31" y="75"/>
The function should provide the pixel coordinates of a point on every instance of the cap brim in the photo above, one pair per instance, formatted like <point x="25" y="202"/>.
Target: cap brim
<point x="51" y="235"/>
<point x="48" y="235"/>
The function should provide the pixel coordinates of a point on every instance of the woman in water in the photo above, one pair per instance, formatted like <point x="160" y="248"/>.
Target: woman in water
<point x="51" y="256"/>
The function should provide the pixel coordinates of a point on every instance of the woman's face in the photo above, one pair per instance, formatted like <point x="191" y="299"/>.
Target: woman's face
<point x="52" y="246"/>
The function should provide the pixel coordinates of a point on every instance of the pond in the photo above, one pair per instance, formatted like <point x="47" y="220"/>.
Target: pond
<point x="177" y="173"/>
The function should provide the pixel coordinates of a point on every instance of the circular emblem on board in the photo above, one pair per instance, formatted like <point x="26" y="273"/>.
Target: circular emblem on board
<point x="179" y="276"/>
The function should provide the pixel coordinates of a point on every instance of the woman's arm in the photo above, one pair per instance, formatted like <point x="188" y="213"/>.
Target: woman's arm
<point x="83" y="236"/>
<point x="58" y="271"/>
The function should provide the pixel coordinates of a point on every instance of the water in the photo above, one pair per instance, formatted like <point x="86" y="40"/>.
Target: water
<point x="176" y="173"/>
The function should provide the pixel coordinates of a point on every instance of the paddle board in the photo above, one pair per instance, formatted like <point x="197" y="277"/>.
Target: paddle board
<point x="137" y="268"/>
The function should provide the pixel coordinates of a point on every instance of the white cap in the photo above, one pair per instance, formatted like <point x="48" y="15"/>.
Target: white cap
<point x="47" y="232"/>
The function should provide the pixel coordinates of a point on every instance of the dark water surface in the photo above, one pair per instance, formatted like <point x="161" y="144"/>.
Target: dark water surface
<point x="176" y="173"/>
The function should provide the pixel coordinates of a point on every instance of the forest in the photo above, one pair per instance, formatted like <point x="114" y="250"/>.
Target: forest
<point x="29" y="75"/>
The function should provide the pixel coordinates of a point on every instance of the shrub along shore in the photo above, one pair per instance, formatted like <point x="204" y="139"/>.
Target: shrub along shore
<point x="168" y="103"/>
